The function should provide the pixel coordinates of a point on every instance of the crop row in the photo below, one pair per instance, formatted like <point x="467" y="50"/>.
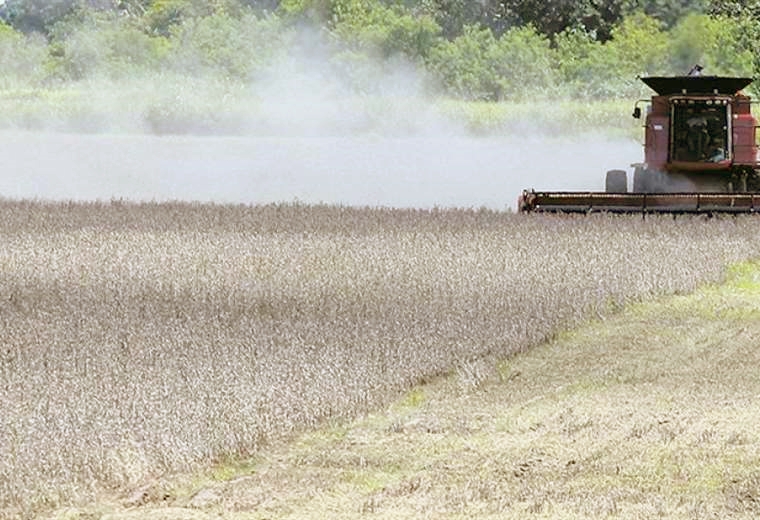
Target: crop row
<point x="142" y="339"/>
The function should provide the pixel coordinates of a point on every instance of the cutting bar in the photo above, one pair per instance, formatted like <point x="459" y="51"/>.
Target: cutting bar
<point x="667" y="203"/>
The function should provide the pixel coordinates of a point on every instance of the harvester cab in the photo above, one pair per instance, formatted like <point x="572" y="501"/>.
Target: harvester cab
<point x="700" y="155"/>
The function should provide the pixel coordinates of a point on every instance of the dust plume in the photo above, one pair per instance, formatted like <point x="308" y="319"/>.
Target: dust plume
<point x="308" y="127"/>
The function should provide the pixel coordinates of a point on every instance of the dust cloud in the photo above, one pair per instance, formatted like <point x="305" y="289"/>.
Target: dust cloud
<point x="453" y="171"/>
<point x="309" y="138"/>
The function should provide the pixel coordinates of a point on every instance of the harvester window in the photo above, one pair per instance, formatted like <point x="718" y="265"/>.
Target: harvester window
<point x="700" y="131"/>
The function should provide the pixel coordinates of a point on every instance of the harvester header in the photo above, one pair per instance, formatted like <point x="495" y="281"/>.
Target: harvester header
<point x="700" y="155"/>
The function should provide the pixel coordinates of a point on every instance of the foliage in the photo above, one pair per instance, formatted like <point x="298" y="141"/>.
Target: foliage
<point x="452" y="16"/>
<point x="744" y="16"/>
<point x="479" y="66"/>
<point x="558" y="118"/>
<point x="583" y="65"/>
<point x="163" y="15"/>
<point x="22" y="58"/>
<point x="735" y="8"/>
<point x="669" y="12"/>
<point x="522" y="63"/>
<point x="505" y="50"/>
<point x="554" y="16"/>
<point x="36" y="15"/>
<point x="713" y="42"/>
<point x="522" y="60"/>
<point x="103" y="44"/>
<point x="591" y="69"/>
<point x="373" y="26"/>
<point x="318" y="12"/>
<point x="464" y="65"/>
<point x="233" y="47"/>
<point x="639" y="47"/>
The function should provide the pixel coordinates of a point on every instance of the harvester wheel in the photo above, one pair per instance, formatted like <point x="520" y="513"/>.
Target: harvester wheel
<point x="642" y="181"/>
<point x="616" y="182"/>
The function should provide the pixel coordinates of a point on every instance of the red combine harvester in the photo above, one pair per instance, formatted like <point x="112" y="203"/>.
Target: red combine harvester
<point x="700" y="155"/>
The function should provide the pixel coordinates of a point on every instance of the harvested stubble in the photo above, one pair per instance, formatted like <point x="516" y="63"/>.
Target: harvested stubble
<point x="140" y="339"/>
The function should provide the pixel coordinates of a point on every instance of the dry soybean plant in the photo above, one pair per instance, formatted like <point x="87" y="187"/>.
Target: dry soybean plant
<point x="142" y="339"/>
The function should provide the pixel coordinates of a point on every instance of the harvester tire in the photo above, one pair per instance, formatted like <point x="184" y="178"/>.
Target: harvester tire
<point x="642" y="181"/>
<point x="616" y="182"/>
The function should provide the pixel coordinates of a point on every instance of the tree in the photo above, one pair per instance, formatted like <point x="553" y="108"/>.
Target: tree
<point x="41" y="15"/>
<point x="523" y="62"/>
<point x="133" y="8"/>
<point x="551" y="17"/>
<point x="583" y="65"/>
<point x="22" y="58"/>
<point x="744" y="17"/>
<point x="36" y="15"/>
<point x="163" y="15"/>
<point x="453" y="15"/>
<point x="639" y="46"/>
<point x="234" y="47"/>
<point x="262" y="6"/>
<point x="669" y="12"/>
<point x="463" y="65"/>
<point x="384" y="30"/>
<point x="102" y="43"/>
<point x="735" y="8"/>
<point x="712" y="41"/>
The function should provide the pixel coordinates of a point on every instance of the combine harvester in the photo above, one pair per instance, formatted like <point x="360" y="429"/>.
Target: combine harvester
<point x="700" y="155"/>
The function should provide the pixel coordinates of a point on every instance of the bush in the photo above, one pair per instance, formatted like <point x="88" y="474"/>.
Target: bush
<point x="524" y="64"/>
<point x="385" y="31"/>
<point x="366" y="40"/>
<point x="478" y="66"/>
<point x="103" y="44"/>
<point x="583" y="65"/>
<point x="713" y="42"/>
<point x="234" y="47"/>
<point x="164" y="15"/>
<point x="639" y="46"/>
<point x="590" y="69"/>
<point x="22" y="58"/>
<point x="463" y="66"/>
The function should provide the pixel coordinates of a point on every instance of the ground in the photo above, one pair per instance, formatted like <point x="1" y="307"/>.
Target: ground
<point x="650" y="413"/>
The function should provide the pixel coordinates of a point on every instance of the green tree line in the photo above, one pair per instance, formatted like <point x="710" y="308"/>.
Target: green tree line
<point x="490" y="50"/>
